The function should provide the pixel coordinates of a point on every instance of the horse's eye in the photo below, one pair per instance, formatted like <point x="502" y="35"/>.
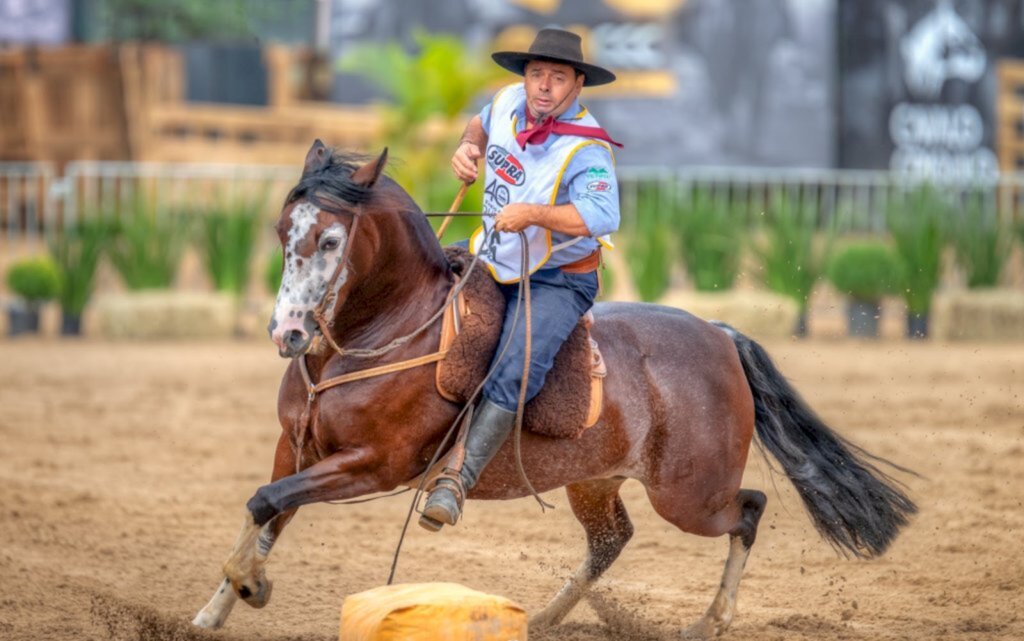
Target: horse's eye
<point x="329" y="244"/>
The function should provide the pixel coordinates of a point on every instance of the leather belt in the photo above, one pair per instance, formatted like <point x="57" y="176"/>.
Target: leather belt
<point x="585" y="265"/>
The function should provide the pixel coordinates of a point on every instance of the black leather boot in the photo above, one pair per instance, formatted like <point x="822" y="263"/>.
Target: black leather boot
<point x="489" y="430"/>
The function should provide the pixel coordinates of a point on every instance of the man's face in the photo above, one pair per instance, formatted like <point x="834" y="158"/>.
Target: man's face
<point x="550" y="87"/>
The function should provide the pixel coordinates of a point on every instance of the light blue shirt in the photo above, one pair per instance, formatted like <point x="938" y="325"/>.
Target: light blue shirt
<point x="588" y="183"/>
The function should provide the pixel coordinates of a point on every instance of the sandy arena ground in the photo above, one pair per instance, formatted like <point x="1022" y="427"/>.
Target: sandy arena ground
<point x="124" y="469"/>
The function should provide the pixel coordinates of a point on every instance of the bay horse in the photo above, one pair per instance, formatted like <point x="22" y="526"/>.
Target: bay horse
<point x="683" y="399"/>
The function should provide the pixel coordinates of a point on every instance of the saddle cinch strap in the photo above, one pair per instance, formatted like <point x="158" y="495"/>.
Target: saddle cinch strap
<point x="451" y="326"/>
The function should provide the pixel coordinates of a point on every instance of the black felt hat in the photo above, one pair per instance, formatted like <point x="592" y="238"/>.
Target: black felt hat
<point x="555" y="45"/>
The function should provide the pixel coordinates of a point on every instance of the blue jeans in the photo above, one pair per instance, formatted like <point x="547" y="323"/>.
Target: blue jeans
<point x="557" y="300"/>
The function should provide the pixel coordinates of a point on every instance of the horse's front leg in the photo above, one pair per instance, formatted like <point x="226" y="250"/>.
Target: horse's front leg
<point x="216" y="612"/>
<point x="342" y="475"/>
<point x="252" y="548"/>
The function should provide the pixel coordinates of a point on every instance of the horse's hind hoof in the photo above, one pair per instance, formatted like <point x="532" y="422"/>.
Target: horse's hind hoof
<point x="430" y="524"/>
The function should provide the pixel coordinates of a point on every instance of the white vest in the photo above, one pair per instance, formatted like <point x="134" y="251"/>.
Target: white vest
<point x="517" y="176"/>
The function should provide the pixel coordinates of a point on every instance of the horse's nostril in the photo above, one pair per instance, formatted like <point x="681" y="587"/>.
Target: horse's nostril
<point x="294" y="338"/>
<point x="244" y="592"/>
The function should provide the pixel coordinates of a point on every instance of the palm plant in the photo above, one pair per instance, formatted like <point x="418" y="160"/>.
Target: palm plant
<point x="435" y="87"/>
<point x="792" y="263"/>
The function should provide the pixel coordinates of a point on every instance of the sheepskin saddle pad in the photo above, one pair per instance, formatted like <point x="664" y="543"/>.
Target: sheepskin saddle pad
<point x="571" y="398"/>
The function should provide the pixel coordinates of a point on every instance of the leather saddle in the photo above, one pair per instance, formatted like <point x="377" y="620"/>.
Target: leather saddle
<point x="572" y="397"/>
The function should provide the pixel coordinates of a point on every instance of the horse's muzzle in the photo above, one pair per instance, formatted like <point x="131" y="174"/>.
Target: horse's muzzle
<point x="292" y="343"/>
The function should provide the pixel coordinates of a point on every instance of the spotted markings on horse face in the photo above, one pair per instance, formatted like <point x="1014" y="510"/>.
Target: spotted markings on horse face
<point x="305" y="279"/>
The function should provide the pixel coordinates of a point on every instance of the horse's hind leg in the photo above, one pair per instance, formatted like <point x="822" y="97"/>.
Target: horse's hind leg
<point x="599" y="509"/>
<point x="741" y="537"/>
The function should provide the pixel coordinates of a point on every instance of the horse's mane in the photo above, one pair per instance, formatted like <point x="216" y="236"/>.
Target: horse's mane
<point x="332" y="183"/>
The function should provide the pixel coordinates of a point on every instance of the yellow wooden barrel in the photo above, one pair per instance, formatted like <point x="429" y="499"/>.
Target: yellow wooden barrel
<point x="430" y="611"/>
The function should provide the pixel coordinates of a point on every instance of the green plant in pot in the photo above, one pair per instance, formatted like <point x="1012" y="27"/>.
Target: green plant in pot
<point x="76" y="251"/>
<point x="865" y="272"/>
<point x="35" y="281"/>
<point x="918" y="222"/>
<point x="982" y="244"/>
<point x="710" y="230"/>
<point x="147" y="245"/>
<point x="648" y="242"/>
<point x="225" y="237"/>
<point x="791" y="258"/>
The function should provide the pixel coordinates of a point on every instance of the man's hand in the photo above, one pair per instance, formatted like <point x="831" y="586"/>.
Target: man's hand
<point x="464" y="161"/>
<point x="515" y="217"/>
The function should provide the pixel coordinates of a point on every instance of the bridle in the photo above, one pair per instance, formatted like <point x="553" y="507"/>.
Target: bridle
<point x="327" y="308"/>
<point x="325" y="313"/>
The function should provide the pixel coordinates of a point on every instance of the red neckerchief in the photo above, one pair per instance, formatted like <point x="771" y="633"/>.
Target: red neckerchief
<point x="537" y="135"/>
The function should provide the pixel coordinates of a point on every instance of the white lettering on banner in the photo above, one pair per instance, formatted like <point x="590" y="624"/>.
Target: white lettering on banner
<point x="940" y="166"/>
<point x="954" y="127"/>
<point x="628" y="46"/>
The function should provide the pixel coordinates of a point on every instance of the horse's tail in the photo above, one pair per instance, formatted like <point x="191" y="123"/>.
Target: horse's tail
<point x="855" y="506"/>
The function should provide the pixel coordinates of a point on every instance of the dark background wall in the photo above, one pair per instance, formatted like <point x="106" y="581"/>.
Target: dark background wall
<point x="918" y="85"/>
<point x="743" y="82"/>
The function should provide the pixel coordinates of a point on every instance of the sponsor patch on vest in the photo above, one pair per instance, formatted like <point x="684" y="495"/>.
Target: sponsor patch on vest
<point x="598" y="173"/>
<point x="505" y="165"/>
<point x="599" y="185"/>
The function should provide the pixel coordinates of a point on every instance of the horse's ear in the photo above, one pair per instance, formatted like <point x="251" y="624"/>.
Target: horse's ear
<point x="368" y="174"/>
<point x="317" y="157"/>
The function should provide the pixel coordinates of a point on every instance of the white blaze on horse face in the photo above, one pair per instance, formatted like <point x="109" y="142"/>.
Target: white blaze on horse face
<point x="305" y="279"/>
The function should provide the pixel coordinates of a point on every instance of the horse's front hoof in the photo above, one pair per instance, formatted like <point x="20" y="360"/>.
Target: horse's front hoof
<point x="258" y="597"/>
<point x="208" y="620"/>
<point x="541" y="621"/>
<point x="706" y="628"/>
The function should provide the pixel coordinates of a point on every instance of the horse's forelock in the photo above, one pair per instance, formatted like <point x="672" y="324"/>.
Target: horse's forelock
<point x="330" y="185"/>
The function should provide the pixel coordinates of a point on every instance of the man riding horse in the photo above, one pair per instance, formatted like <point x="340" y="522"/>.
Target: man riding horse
<point x="683" y="398"/>
<point x="549" y="174"/>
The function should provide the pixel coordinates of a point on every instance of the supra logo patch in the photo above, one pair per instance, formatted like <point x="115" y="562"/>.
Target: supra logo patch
<point x="505" y="165"/>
